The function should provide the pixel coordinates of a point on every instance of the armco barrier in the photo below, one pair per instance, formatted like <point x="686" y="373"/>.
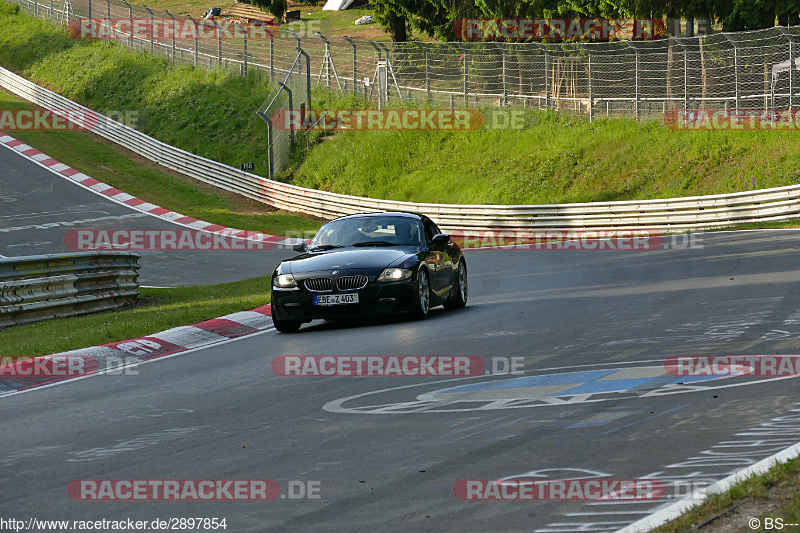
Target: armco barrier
<point x="40" y="287"/>
<point x="675" y="214"/>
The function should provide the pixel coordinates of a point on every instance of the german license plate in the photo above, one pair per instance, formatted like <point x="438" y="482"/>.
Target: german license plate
<point x="335" y="299"/>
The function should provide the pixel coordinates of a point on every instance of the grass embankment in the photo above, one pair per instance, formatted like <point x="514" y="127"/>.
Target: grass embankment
<point x="556" y="159"/>
<point x="770" y="495"/>
<point x="167" y="308"/>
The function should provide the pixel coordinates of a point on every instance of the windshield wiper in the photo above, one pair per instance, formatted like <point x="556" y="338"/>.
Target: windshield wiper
<point x="374" y="243"/>
<point x="323" y="247"/>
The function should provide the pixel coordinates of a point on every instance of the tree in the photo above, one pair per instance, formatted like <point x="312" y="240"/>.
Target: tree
<point x="391" y="15"/>
<point x="437" y="18"/>
<point x="398" y="17"/>
<point x="275" y="7"/>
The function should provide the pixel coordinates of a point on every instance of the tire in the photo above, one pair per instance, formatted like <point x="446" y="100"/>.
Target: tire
<point x="460" y="291"/>
<point x="422" y="303"/>
<point x="285" y="326"/>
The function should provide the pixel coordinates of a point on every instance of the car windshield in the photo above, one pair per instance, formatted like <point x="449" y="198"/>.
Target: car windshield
<point x="369" y="231"/>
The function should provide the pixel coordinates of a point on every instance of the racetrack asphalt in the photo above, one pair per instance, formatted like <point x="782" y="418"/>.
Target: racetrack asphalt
<point x="385" y="452"/>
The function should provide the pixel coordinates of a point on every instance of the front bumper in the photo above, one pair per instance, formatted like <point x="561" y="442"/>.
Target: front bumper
<point x="374" y="299"/>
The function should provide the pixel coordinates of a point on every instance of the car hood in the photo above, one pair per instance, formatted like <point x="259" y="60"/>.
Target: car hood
<point x="347" y="259"/>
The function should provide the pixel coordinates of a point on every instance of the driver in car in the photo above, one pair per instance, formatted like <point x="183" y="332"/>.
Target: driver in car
<point x="368" y="227"/>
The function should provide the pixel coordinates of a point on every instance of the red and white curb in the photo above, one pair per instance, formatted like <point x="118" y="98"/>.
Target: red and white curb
<point x="19" y="376"/>
<point x="123" y="198"/>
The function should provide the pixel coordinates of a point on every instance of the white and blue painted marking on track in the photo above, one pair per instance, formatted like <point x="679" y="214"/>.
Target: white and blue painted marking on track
<point x="571" y="384"/>
<point x="516" y="392"/>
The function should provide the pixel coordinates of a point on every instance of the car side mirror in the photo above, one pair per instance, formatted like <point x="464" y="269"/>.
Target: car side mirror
<point x="301" y="247"/>
<point x="440" y="239"/>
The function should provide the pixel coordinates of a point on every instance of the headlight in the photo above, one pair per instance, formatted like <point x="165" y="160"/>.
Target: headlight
<point x="394" y="274"/>
<point x="284" y="281"/>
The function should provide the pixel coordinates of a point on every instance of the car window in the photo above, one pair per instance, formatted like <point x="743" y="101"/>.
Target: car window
<point x="430" y="230"/>
<point x="401" y="231"/>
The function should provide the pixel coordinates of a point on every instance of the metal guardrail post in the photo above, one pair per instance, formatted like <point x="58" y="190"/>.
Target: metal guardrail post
<point x="271" y="49"/>
<point x="327" y="58"/>
<point x="219" y="43"/>
<point x="174" y="29"/>
<point x="735" y="69"/>
<point x="503" y="54"/>
<point x="291" y="109"/>
<point x="543" y="48"/>
<point x="377" y="62"/>
<point x="355" y="59"/>
<point x="792" y="68"/>
<point x="382" y="82"/>
<point x="152" y="37"/>
<point x="685" y="77"/>
<point x="427" y="69"/>
<point x="130" y="20"/>
<point x="465" y="57"/>
<point x="589" y="80"/>
<point x="636" y="70"/>
<point x="302" y="52"/>
<point x="244" y="50"/>
<point x="390" y="71"/>
<point x="196" y="38"/>
<point x="269" y="143"/>
<point x="271" y="56"/>
<point x="792" y="65"/>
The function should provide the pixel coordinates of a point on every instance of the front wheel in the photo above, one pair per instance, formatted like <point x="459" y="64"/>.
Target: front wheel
<point x="285" y="326"/>
<point x="422" y="303"/>
<point x="460" y="291"/>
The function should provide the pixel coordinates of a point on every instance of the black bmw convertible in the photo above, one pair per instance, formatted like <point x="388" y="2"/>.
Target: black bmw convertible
<point x="369" y="264"/>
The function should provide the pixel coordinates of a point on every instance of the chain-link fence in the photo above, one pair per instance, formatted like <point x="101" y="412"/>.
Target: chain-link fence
<point x="638" y="79"/>
<point x="292" y="95"/>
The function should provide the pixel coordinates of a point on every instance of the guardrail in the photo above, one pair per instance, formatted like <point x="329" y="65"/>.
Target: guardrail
<point x="41" y="287"/>
<point x="675" y="214"/>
